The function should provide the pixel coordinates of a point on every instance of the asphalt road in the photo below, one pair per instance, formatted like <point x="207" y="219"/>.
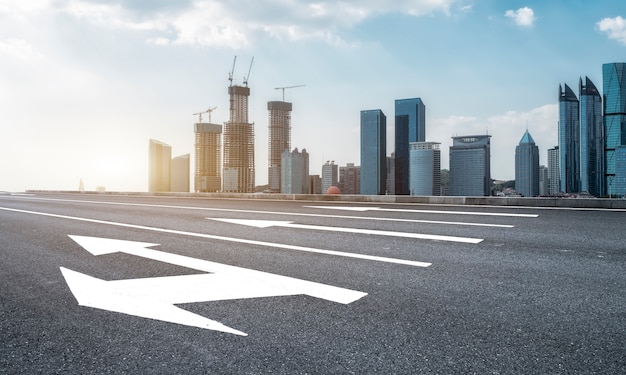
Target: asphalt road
<point x="498" y="291"/>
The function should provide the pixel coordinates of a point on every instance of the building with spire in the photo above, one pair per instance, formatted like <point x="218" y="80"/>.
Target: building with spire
<point x="410" y="126"/>
<point x="614" y="94"/>
<point x="569" y="140"/>
<point x="527" y="166"/>
<point x="591" y="139"/>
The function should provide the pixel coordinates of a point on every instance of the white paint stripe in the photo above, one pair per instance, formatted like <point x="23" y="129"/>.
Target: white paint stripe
<point x="476" y="213"/>
<point x="286" y="213"/>
<point x="231" y="239"/>
<point x="288" y="224"/>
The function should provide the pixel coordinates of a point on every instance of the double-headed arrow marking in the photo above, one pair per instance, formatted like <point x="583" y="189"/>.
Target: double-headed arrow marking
<point x="155" y="298"/>
<point x="289" y="224"/>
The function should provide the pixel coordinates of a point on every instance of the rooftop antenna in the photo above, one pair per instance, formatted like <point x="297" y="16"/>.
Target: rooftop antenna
<point x="287" y="87"/>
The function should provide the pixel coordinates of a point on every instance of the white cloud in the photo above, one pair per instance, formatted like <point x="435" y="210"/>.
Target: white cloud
<point x="523" y="16"/>
<point x="19" y="49"/>
<point x="614" y="27"/>
<point x="236" y="24"/>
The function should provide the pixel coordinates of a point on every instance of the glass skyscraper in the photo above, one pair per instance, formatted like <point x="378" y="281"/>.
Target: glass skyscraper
<point x="591" y="139"/>
<point x="410" y="119"/>
<point x="553" y="170"/>
<point x="527" y="166"/>
<point x="614" y="95"/>
<point x="425" y="168"/>
<point x="373" y="152"/>
<point x="470" y="166"/>
<point x="569" y="140"/>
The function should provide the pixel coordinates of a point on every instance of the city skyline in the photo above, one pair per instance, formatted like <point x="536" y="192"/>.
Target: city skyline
<point x="87" y="96"/>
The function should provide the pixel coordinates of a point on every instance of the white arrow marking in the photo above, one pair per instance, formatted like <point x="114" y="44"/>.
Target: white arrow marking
<point x="289" y="224"/>
<point x="476" y="213"/>
<point x="155" y="297"/>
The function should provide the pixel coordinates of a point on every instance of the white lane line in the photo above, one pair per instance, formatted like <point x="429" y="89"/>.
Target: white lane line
<point x="289" y="224"/>
<point x="284" y="213"/>
<point x="231" y="239"/>
<point x="476" y="213"/>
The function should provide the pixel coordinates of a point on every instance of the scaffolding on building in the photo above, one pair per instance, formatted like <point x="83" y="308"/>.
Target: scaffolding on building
<point x="279" y="140"/>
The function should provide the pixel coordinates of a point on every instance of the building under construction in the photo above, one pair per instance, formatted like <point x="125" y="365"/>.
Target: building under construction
<point x="208" y="147"/>
<point x="279" y="140"/>
<point x="239" y="141"/>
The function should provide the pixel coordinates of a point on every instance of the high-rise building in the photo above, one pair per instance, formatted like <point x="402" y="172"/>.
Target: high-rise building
<point x="614" y="95"/>
<point x="619" y="181"/>
<point x="315" y="184"/>
<point x="180" y="174"/>
<point x="554" y="173"/>
<point x="527" y="166"/>
<point x="373" y="152"/>
<point x="208" y="148"/>
<point x="544" y="181"/>
<point x="424" y="168"/>
<point x="470" y="166"/>
<point x="295" y="172"/>
<point x="391" y="174"/>
<point x="591" y="139"/>
<point x="329" y="175"/>
<point x="279" y="120"/>
<point x="238" y="144"/>
<point x="410" y="126"/>
<point x="160" y="158"/>
<point x="349" y="179"/>
<point x="569" y="140"/>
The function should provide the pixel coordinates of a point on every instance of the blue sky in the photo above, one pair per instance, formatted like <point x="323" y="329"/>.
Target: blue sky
<point x="86" y="83"/>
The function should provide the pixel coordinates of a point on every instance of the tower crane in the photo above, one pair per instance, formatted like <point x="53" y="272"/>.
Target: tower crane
<point x="287" y="87"/>
<point x="245" y="79"/>
<point x="232" y="71"/>
<point x="199" y="114"/>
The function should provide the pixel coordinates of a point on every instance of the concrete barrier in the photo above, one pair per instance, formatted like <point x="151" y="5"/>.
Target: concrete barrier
<point x="604" y="203"/>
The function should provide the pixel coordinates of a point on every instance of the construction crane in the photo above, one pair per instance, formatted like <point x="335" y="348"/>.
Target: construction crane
<point x="232" y="71"/>
<point x="199" y="114"/>
<point x="245" y="79"/>
<point x="287" y="87"/>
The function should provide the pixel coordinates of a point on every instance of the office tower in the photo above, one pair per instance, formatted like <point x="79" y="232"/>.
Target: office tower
<point x="349" y="179"/>
<point x="208" y="148"/>
<point x="614" y="95"/>
<point x="554" y="173"/>
<point x="160" y="155"/>
<point x="179" y="180"/>
<point x="295" y="172"/>
<point x="279" y="120"/>
<point x="619" y="181"/>
<point x="569" y="140"/>
<point x="470" y="165"/>
<point x="238" y="144"/>
<point x="424" y="168"/>
<point x="391" y="174"/>
<point x="373" y="152"/>
<point x="329" y="175"/>
<point x="591" y="139"/>
<point x="544" y="181"/>
<point x="527" y="166"/>
<point x="410" y="119"/>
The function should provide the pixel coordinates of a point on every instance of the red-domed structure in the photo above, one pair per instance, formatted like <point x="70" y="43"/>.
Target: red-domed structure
<point x="333" y="190"/>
